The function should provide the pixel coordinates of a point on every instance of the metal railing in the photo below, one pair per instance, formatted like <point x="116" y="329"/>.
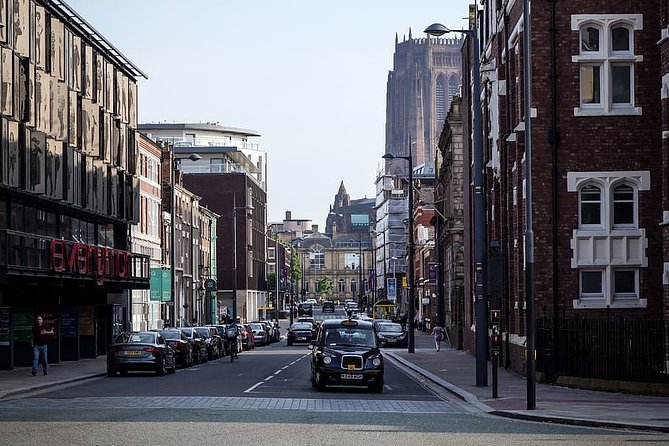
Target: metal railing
<point x="608" y="349"/>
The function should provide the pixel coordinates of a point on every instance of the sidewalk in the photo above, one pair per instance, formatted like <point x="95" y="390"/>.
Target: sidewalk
<point x="452" y="369"/>
<point x="20" y="380"/>
<point x="455" y="371"/>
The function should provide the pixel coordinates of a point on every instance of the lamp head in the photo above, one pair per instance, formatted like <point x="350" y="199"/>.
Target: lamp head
<point x="388" y="156"/>
<point x="436" y="30"/>
<point x="194" y="157"/>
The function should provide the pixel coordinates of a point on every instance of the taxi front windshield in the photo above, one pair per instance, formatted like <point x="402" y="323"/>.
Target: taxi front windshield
<point x="349" y="336"/>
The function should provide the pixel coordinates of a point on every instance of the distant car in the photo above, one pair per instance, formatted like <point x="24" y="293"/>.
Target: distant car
<point x="259" y="333"/>
<point x="346" y="352"/>
<point x="328" y="305"/>
<point x="391" y="334"/>
<point x="199" y="344"/>
<point x="305" y="309"/>
<point x="140" y="351"/>
<point x="299" y="332"/>
<point x="311" y="301"/>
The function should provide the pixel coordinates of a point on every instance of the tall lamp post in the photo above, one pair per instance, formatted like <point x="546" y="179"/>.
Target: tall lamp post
<point x="437" y="29"/>
<point x="412" y="297"/>
<point x="248" y="207"/>
<point x="176" y="162"/>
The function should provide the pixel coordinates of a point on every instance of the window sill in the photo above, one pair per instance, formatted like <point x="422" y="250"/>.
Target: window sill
<point x="594" y="304"/>
<point x="621" y="111"/>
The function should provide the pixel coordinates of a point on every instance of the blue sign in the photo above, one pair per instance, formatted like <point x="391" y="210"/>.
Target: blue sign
<point x="392" y="288"/>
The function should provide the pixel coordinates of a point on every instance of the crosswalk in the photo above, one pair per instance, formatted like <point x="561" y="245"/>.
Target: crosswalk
<point x="233" y="403"/>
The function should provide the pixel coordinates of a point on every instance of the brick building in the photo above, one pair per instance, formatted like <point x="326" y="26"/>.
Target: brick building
<point x="599" y="185"/>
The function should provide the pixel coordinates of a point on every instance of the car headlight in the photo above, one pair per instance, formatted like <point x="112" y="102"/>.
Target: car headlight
<point x="382" y="338"/>
<point x="376" y="362"/>
<point x="327" y="360"/>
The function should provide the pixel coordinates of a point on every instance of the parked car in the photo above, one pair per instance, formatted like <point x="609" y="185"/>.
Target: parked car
<point x="392" y="334"/>
<point x="276" y="331"/>
<point x="214" y="345"/>
<point x="269" y="331"/>
<point x="328" y="305"/>
<point x="259" y="333"/>
<point x="300" y="332"/>
<point x="140" y="351"/>
<point x="346" y="352"/>
<point x="183" y="350"/>
<point x="200" y="353"/>
<point x="311" y="301"/>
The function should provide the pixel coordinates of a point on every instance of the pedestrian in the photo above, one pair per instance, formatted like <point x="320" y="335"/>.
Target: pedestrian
<point x="438" y="334"/>
<point x="38" y="339"/>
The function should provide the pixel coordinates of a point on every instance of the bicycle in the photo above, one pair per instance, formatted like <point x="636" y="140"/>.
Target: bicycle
<point x="233" y="349"/>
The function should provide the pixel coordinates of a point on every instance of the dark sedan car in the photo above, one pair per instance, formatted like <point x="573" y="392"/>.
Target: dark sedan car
<point x="328" y="305"/>
<point x="213" y="342"/>
<point x="183" y="350"/>
<point x="200" y="353"/>
<point x="346" y="353"/>
<point x="299" y="332"/>
<point x="391" y="334"/>
<point x="140" y="351"/>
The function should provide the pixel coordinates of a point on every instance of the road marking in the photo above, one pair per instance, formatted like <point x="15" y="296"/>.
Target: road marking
<point x="269" y="377"/>
<point x="250" y="389"/>
<point x="235" y="403"/>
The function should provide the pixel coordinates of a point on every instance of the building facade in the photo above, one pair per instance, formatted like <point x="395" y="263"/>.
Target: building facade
<point x="426" y="75"/>
<point x="230" y="179"/>
<point x="597" y="186"/>
<point x="69" y="187"/>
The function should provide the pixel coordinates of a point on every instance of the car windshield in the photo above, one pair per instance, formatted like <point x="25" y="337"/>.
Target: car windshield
<point x="393" y="328"/>
<point x="301" y="326"/>
<point x="349" y="336"/>
<point x="203" y="332"/>
<point x="187" y="331"/>
<point x="256" y="327"/>
<point x="142" y="338"/>
<point x="171" y="334"/>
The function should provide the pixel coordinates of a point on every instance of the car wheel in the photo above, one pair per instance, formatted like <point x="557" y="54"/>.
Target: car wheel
<point x="111" y="372"/>
<point x="320" y="385"/>
<point x="162" y="367"/>
<point x="377" y="387"/>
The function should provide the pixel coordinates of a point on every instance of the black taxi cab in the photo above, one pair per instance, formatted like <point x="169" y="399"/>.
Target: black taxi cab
<point x="346" y="353"/>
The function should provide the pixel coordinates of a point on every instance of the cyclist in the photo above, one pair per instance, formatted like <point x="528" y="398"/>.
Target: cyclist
<point x="232" y="335"/>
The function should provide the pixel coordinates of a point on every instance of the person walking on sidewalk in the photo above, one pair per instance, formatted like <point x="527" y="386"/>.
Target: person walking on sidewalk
<point x="39" y="337"/>
<point x="438" y="334"/>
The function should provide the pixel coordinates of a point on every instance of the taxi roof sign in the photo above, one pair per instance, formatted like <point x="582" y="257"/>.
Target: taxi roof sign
<point x="349" y="323"/>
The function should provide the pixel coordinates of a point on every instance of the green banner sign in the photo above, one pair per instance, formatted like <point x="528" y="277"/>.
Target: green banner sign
<point x="160" y="284"/>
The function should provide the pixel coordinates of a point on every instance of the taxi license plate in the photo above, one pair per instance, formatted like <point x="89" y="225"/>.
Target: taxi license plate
<point x="351" y="376"/>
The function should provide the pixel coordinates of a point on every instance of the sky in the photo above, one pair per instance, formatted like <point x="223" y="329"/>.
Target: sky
<point x="308" y="75"/>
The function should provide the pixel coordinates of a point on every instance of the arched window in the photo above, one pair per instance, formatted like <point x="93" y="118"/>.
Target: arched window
<point x="624" y="213"/>
<point x="440" y="102"/>
<point x="606" y="63"/>
<point x="341" y="286"/>
<point x="317" y="258"/>
<point x="453" y="87"/>
<point x="354" y="286"/>
<point x="590" y="205"/>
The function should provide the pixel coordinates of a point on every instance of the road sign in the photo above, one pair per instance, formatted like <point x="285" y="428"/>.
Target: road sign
<point x="392" y="288"/>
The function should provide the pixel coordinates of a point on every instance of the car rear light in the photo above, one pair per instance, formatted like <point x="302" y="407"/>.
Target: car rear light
<point x="151" y="349"/>
<point x="115" y="349"/>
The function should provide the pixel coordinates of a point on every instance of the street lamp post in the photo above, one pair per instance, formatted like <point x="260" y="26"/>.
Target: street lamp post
<point x="248" y="207"/>
<point x="173" y="251"/>
<point x="437" y="29"/>
<point x="412" y="297"/>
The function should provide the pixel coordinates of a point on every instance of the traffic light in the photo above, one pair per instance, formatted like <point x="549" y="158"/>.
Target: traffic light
<point x="495" y="318"/>
<point x="496" y="342"/>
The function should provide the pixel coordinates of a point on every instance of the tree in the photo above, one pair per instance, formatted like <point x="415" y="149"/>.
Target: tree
<point x="325" y="285"/>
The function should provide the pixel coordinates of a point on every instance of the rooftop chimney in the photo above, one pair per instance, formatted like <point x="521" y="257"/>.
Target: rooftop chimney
<point x="289" y="215"/>
<point x="314" y="228"/>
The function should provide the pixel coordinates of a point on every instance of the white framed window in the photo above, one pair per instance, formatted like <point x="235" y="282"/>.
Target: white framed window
<point x="341" y="285"/>
<point x="607" y="63"/>
<point x="608" y="245"/>
<point x="590" y="206"/>
<point x="317" y="258"/>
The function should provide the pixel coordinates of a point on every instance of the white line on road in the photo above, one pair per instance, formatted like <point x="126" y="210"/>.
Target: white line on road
<point x="250" y="389"/>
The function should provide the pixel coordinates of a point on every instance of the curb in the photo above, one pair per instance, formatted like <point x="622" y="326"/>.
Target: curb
<point x="473" y="400"/>
<point x="34" y="387"/>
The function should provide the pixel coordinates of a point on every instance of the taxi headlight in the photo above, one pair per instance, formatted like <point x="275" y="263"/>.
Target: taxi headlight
<point x="376" y="362"/>
<point x="327" y="360"/>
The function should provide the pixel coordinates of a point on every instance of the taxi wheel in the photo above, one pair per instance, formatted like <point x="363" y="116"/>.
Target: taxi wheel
<point x="321" y="383"/>
<point x="376" y="387"/>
